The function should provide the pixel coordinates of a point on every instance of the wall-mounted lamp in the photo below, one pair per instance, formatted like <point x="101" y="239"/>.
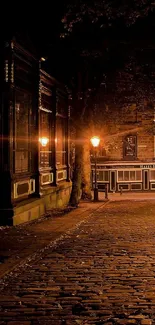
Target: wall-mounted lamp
<point x="43" y="141"/>
<point x="42" y="59"/>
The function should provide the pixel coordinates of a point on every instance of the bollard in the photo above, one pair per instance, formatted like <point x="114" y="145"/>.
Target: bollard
<point x="121" y="190"/>
<point x="95" y="194"/>
<point x="106" y="191"/>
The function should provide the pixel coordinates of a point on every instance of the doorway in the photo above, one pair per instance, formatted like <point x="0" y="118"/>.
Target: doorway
<point x="145" y="180"/>
<point x="112" y="180"/>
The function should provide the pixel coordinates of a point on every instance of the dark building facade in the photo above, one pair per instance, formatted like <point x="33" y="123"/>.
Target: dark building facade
<point x="34" y="138"/>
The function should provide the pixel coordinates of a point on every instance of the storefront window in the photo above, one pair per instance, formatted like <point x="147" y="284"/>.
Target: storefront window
<point x="23" y="104"/>
<point x="60" y="142"/>
<point x="132" y="175"/>
<point x="138" y="175"/>
<point x="129" y="175"/>
<point x="126" y="176"/>
<point x="102" y="176"/>
<point x="152" y="176"/>
<point x="120" y="175"/>
<point x="45" y="139"/>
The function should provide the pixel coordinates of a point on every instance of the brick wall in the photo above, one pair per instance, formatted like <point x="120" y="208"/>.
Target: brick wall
<point x="133" y="122"/>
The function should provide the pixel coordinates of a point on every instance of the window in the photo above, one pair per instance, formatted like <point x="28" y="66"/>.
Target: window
<point x="130" y="147"/>
<point x="60" y="141"/>
<point x="152" y="175"/>
<point x="23" y="104"/>
<point x="102" y="176"/>
<point x="46" y="101"/>
<point x="132" y="175"/>
<point x="120" y="175"/>
<point x="129" y="175"/>
<point x="126" y="175"/>
<point x="45" y="139"/>
<point x="138" y="175"/>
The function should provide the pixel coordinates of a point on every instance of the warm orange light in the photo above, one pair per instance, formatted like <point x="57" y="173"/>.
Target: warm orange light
<point x="43" y="141"/>
<point x="95" y="141"/>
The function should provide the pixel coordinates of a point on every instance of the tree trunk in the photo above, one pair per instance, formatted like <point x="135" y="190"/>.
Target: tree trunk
<point x="86" y="172"/>
<point x="76" y="182"/>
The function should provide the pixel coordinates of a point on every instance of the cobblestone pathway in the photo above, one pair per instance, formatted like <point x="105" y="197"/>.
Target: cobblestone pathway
<point x="101" y="273"/>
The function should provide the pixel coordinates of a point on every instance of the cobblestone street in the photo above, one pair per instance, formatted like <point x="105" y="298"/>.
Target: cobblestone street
<point x="102" y="272"/>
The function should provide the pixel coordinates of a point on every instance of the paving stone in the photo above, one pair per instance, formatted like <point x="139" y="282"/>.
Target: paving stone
<point x="19" y="323"/>
<point x="8" y="298"/>
<point x="103" y="272"/>
<point x="146" y="322"/>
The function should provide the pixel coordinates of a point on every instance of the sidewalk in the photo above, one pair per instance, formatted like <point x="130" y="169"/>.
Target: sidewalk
<point x="128" y="196"/>
<point x="20" y="242"/>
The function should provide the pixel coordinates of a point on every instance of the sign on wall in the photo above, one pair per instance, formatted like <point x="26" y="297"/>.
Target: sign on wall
<point x="130" y="146"/>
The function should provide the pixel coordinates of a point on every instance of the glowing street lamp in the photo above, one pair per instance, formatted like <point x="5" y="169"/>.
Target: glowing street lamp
<point x="42" y="59"/>
<point x="95" y="142"/>
<point x="43" y="141"/>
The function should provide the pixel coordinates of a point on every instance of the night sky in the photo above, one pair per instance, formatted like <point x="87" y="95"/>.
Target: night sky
<point x="39" y="25"/>
<point x="40" y="21"/>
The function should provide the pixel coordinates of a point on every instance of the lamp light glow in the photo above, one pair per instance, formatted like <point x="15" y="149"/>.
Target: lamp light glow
<point x="43" y="141"/>
<point x="95" y="141"/>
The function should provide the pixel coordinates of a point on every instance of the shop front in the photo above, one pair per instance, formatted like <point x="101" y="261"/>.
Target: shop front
<point x="34" y="138"/>
<point x="125" y="177"/>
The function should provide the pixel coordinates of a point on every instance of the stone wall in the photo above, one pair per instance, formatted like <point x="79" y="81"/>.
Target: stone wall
<point x="55" y="197"/>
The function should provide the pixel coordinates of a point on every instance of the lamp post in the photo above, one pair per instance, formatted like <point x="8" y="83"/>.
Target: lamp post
<point x="95" y="142"/>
